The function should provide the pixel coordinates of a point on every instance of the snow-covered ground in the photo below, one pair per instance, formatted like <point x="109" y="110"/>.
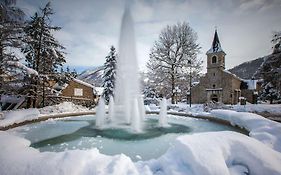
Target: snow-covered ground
<point x="206" y="153"/>
<point x="274" y="109"/>
<point x="17" y="116"/>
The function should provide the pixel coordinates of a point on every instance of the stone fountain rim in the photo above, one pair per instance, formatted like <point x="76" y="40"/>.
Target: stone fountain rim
<point x="73" y="114"/>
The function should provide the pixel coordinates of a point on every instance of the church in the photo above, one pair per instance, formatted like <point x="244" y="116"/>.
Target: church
<point x="220" y="85"/>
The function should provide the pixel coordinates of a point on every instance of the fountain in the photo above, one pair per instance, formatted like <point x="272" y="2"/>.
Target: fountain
<point x="110" y="109"/>
<point x="127" y="91"/>
<point x="126" y="128"/>
<point x="128" y="107"/>
<point x="100" y="113"/>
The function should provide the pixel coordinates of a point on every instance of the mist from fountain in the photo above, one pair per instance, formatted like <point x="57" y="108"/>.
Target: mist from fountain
<point x="100" y="114"/>
<point x="128" y="102"/>
<point x="110" y="109"/>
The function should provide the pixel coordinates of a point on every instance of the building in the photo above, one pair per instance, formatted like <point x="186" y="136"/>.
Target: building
<point x="74" y="90"/>
<point x="218" y="84"/>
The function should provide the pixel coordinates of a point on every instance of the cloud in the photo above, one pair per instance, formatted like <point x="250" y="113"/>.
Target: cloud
<point x="89" y="27"/>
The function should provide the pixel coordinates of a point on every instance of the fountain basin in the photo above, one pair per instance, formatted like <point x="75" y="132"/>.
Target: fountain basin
<point x="80" y="133"/>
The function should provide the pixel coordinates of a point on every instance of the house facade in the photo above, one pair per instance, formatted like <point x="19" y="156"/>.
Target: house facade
<point x="218" y="84"/>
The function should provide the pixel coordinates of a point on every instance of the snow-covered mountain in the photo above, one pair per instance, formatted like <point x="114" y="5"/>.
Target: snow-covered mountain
<point x="247" y="69"/>
<point x="92" y="76"/>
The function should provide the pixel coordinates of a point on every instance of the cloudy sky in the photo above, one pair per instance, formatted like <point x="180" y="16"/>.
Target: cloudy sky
<point x="90" y="27"/>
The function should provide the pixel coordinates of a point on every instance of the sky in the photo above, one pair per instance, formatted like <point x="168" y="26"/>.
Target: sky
<point x="90" y="27"/>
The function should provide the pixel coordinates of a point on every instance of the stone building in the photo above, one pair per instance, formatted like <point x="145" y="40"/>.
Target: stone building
<point x="218" y="84"/>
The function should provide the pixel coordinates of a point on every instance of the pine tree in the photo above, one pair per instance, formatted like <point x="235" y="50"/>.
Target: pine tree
<point x="11" y="32"/>
<point x="43" y="52"/>
<point x="109" y="75"/>
<point x="11" y="35"/>
<point x="270" y="71"/>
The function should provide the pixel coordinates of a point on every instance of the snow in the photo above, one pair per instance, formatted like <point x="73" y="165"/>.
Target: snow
<point x="18" y="116"/>
<point x="99" y="90"/>
<point x="217" y="153"/>
<point x="207" y="153"/>
<point x="252" y="84"/>
<point x="260" y="128"/>
<point x="274" y="109"/>
<point x="21" y="115"/>
<point x="203" y="153"/>
<point x="83" y="83"/>
<point x="18" y="64"/>
<point x="65" y="107"/>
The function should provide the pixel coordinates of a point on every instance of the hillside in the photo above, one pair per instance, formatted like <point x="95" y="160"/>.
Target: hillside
<point x="92" y="76"/>
<point x="248" y="69"/>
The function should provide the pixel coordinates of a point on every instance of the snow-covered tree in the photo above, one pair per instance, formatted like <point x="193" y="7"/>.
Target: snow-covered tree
<point x="109" y="74"/>
<point x="171" y="58"/>
<point x="270" y="71"/>
<point x="11" y="32"/>
<point x="43" y="52"/>
<point x="11" y="35"/>
<point x="276" y="40"/>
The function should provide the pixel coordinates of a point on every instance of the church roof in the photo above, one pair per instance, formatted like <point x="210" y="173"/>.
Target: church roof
<point x="216" y="46"/>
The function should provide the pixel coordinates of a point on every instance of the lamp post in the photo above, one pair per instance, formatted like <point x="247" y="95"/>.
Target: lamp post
<point x="190" y="82"/>
<point x="176" y="91"/>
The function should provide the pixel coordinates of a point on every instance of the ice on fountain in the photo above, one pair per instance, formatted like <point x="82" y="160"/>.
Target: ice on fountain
<point x="127" y="89"/>
<point x="163" y="113"/>
<point x="141" y="108"/>
<point x="135" y="113"/>
<point x="111" y="108"/>
<point x="100" y="113"/>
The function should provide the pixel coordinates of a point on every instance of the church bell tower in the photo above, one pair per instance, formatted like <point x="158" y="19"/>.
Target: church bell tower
<point x="215" y="55"/>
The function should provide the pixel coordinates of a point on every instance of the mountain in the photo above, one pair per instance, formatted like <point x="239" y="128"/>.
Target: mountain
<point x="92" y="76"/>
<point x="247" y="70"/>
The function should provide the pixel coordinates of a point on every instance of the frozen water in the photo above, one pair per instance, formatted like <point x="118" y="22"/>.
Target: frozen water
<point x="79" y="133"/>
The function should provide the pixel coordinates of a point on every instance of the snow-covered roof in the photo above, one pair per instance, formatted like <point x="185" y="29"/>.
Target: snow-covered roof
<point x="252" y="84"/>
<point x="83" y="83"/>
<point x="216" y="46"/>
<point x="226" y="71"/>
<point x="99" y="90"/>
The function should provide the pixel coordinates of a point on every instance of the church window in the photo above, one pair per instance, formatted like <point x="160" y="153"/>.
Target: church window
<point x="214" y="86"/>
<point x="214" y="74"/>
<point x="214" y="59"/>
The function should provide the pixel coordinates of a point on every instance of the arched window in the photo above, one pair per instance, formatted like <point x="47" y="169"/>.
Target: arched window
<point x="214" y="59"/>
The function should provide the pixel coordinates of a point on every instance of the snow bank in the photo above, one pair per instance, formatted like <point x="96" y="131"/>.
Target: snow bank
<point x="203" y="153"/>
<point x="217" y="153"/>
<point x="18" y="116"/>
<point x="11" y="117"/>
<point x="259" y="108"/>
<point x="28" y="160"/>
<point x="65" y="107"/>
<point x="260" y="128"/>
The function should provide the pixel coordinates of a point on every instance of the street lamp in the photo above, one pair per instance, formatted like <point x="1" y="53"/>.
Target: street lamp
<point x="190" y="82"/>
<point x="176" y="91"/>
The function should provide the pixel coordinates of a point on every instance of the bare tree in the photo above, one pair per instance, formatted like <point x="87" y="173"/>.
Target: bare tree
<point x="173" y="57"/>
